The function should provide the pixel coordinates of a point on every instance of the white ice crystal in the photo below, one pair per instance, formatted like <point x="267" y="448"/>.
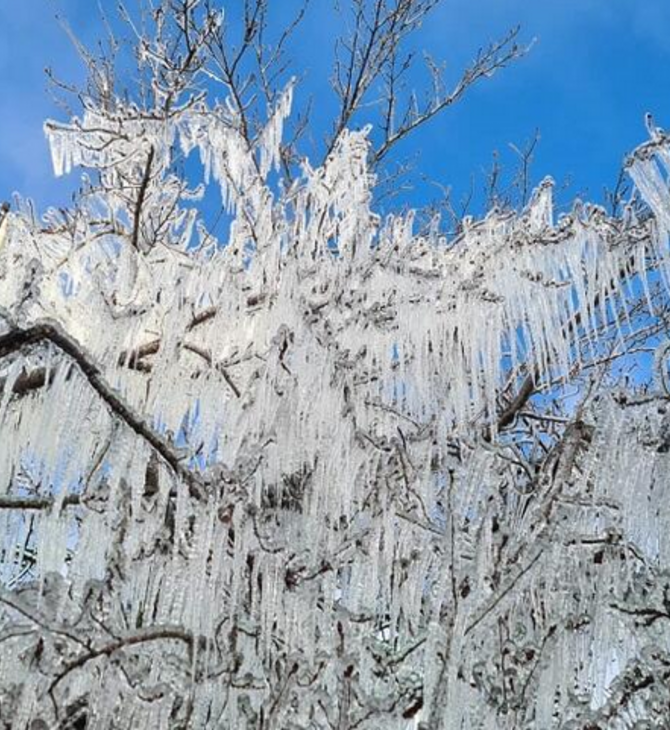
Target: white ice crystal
<point x="310" y="378"/>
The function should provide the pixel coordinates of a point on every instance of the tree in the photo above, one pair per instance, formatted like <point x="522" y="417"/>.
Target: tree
<point x="330" y="472"/>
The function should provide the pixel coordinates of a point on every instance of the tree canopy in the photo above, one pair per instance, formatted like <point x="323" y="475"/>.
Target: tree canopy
<point x="327" y="469"/>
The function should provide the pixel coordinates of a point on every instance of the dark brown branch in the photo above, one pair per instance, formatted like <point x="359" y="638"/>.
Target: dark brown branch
<point x="644" y="616"/>
<point x="29" y="380"/>
<point x="17" y="605"/>
<point x="518" y="402"/>
<point x="219" y="366"/>
<point x="141" y="197"/>
<point x="504" y="591"/>
<point x="19" y="338"/>
<point x="37" y="503"/>
<point x="201" y="317"/>
<point x="133" y="358"/>
<point x="153" y="633"/>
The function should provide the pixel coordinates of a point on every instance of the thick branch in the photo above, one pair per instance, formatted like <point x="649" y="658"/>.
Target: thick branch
<point x="19" y="338"/>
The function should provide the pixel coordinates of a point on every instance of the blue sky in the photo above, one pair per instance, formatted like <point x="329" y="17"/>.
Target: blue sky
<point x="595" y="68"/>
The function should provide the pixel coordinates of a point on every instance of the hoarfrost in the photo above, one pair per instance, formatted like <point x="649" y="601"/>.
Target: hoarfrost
<point x="268" y="478"/>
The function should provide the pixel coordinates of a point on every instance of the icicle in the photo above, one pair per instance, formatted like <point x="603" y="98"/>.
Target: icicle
<point x="269" y="142"/>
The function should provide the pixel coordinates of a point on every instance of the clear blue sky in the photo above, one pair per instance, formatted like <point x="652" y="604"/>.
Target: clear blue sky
<point x="596" y="67"/>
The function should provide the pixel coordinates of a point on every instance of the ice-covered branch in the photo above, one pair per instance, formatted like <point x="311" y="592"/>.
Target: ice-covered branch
<point x="19" y="338"/>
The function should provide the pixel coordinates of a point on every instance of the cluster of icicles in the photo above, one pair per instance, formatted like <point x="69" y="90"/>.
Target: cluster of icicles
<point x="313" y="373"/>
